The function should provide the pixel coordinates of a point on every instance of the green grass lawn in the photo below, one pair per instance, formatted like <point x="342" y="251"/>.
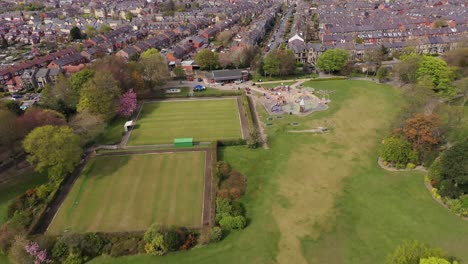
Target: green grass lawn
<point x="323" y="198"/>
<point x="131" y="192"/>
<point x="202" y="120"/>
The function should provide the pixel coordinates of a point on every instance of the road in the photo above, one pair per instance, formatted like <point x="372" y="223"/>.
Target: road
<point x="277" y="37"/>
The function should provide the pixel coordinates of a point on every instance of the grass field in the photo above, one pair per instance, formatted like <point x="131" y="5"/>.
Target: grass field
<point x="202" y="120"/>
<point x="131" y="192"/>
<point x="323" y="198"/>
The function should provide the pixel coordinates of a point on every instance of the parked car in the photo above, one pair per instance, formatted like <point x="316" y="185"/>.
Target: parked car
<point x="238" y="81"/>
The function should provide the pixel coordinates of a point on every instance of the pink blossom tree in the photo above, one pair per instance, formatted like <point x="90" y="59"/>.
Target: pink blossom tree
<point x="128" y="103"/>
<point x="40" y="256"/>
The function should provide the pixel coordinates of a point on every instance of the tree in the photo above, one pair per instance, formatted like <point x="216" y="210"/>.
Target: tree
<point x="13" y="107"/>
<point x="442" y="76"/>
<point x="117" y="67"/>
<point x="136" y="78"/>
<point x="36" y="117"/>
<point x="408" y="66"/>
<point x="148" y="53"/>
<point x="128" y="103"/>
<point x="271" y="64"/>
<point x="410" y="252"/>
<point x="55" y="149"/>
<point x="206" y="59"/>
<point x="90" y="31"/>
<point x="433" y="260"/>
<point x="332" y="60"/>
<point x="129" y="16"/>
<point x="105" y="28"/>
<point x="422" y="131"/>
<point x="88" y="126"/>
<point x="279" y="62"/>
<point x="179" y="72"/>
<point x="75" y="33"/>
<point x="358" y="40"/>
<point x="10" y="132"/>
<point x="397" y="150"/>
<point x="78" y="79"/>
<point x="61" y="96"/>
<point x="224" y="38"/>
<point x="382" y="73"/>
<point x="224" y="60"/>
<point x="17" y="253"/>
<point x="169" y="6"/>
<point x="99" y="96"/>
<point x="244" y="56"/>
<point x="154" y="70"/>
<point x="454" y="170"/>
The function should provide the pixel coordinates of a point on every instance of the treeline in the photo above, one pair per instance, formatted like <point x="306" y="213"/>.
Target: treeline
<point x="72" y="114"/>
<point x="430" y="130"/>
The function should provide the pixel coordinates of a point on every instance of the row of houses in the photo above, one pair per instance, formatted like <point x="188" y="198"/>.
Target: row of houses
<point x="361" y="27"/>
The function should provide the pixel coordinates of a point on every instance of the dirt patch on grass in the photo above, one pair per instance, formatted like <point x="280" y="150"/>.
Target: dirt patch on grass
<point x="315" y="174"/>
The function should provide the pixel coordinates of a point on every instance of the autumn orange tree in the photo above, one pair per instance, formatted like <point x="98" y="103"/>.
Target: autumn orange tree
<point x="422" y="131"/>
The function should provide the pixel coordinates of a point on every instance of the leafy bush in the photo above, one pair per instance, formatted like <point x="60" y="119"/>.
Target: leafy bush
<point x="410" y="166"/>
<point x="43" y="191"/>
<point x="234" y="186"/>
<point x="232" y="222"/>
<point x="397" y="150"/>
<point x="435" y="173"/>
<point x="91" y="246"/>
<point x="17" y="253"/>
<point x="216" y="234"/>
<point x="454" y="172"/>
<point x="456" y="206"/>
<point x="21" y="219"/>
<point x="400" y="166"/>
<point x="155" y="244"/>
<point x="232" y="142"/>
<point x="7" y="235"/>
<point x="173" y="239"/>
<point x="222" y="170"/>
<point x="60" y="249"/>
<point x="73" y="258"/>
<point x="410" y="252"/>
<point x="223" y="208"/>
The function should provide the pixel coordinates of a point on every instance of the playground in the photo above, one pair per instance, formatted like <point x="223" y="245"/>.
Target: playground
<point x="297" y="100"/>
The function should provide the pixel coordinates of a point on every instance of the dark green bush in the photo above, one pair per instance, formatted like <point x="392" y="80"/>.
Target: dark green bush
<point x="173" y="239"/>
<point x="222" y="170"/>
<point x="92" y="245"/>
<point x="231" y="142"/>
<point x="21" y="219"/>
<point x="60" y="249"/>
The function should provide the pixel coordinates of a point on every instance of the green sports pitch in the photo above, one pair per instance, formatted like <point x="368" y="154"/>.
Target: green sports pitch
<point x="203" y="120"/>
<point x="130" y="192"/>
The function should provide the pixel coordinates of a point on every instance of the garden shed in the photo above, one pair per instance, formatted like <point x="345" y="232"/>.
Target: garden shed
<point x="183" y="142"/>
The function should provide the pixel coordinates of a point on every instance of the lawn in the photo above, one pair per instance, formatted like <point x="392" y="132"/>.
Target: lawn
<point x="323" y="198"/>
<point x="202" y="120"/>
<point x="131" y="192"/>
